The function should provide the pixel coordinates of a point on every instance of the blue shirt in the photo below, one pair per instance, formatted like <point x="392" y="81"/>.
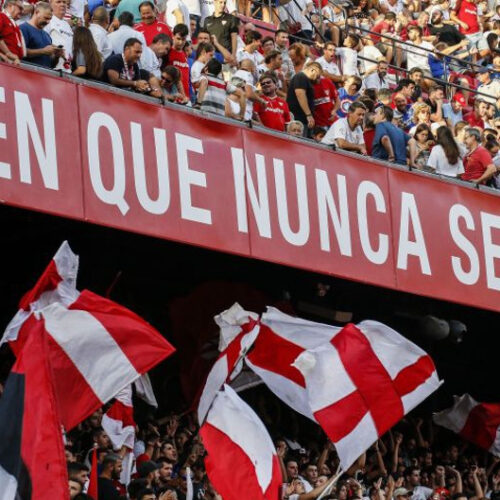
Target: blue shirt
<point x="451" y="115"/>
<point x="398" y="138"/>
<point x="36" y="39"/>
<point x="345" y="102"/>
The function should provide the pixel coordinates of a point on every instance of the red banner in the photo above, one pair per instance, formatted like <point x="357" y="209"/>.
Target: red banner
<point x="84" y="152"/>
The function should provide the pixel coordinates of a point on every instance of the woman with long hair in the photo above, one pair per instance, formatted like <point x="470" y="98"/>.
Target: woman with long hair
<point x="421" y="115"/>
<point x="445" y="156"/>
<point x="420" y="146"/>
<point x="87" y="60"/>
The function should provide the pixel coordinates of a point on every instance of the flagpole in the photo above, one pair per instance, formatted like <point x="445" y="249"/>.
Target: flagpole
<point x="331" y="483"/>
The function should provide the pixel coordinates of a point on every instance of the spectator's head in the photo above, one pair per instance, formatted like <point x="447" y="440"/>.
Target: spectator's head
<point x="14" y="8"/>
<point x="383" y="114"/>
<point x="370" y="94"/>
<point x="126" y="19"/>
<point x="353" y="84"/>
<point x="406" y="87"/>
<point x="413" y="473"/>
<point x="100" y="436"/>
<point x="437" y="17"/>
<point x="247" y="65"/>
<point x="421" y="113"/>
<point x="493" y="147"/>
<point x="384" y="96"/>
<point x="168" y="448"/>
<point x="267" y="44"/>
<point x="351" y="41"/>
<point x="488" y="134"/>
<point x="423" y="19"/>
<point x="459" y="130"/>
<point x="297" y="53"/>
<point x="480" y="108"/>
<point x="281" y="38"/>
<point x="100" y="16"/>
<point x="219" y="6"/>
<point x="170" y="76"/>
<point x="382" y="68"/>
<point x="203" y="36"/>
<point x="59" y="8"/>
<point x="268" y="83"/>
<point x="445" y="139"/>
<point x="75" y="487"/>
<point x="490" y="110"/>
<point x="422" y="134"/>
<point x="147" y="11"/>
<point x="42" y="15"/>
<point x="111" y="466"/>
<point x="317" y="134"/>
<point x="496" y="61"/>
<point x="483" y="75"/>
<point x="146" y="494"/>
<point x="356" y="114"/>
<point x="313" y="71"/>
<point x="180" y="34"/>
<point x="414" y="33"/>
<point x="416" y="75"/>
<point x="161" y="44"/>
<point x="369" y="121"/>
<point x="436" y="93"/>
<point x="311" y="474"/>
<point x="135" y="487"/>
<point x="166" y="469"/>
<point x="458" y="102"/>
<point x="329" y="51"/>
<point x="292" y="467"/>
<point x="368" y="103"/>
<point x="273" y="60"/>
<point x="390" y="18"/>
<point x="83" y="42"/>
<point x="400" y="102"/>
<point x="253" y="39"/>
<point x="78" y="472"/>
<point x="204" y="52"/>
<point x="401" y="494"/>
<point x="149" y="470"/>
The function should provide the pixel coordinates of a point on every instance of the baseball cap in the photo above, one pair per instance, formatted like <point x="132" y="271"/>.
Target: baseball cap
<point x="458" y="97"/>
<point x="146" y="467"/>
<point x="401" y="492"/>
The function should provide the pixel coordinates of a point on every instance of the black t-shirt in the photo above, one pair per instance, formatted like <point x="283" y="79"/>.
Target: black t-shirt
<point x="115" y="62"/>
<point x="300" y="81"/>
<point x="432" y="105"/>
<point x="447" y="34"/>
<point x="222" y="27"/>
<point x="106" y="490"/>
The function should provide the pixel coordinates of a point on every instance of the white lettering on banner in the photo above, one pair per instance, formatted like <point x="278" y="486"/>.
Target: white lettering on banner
<point x="470" y="277"/>
<point x="365" y="189"/>
<point x="115" y="195"/>
<point x="160" y="205"/>
<point x="189" y="177"/>
<point x="491" y="250"/>
<point x="5" y="171"/>
<point x="406" y="247"/>
<point x="301" y="236"/>
<point x="243" y="183"/>
<point x="46" y="153"/>
<point x="340" y="217"/>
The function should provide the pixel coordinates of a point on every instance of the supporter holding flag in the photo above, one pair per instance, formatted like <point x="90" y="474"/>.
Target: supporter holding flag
<point x="12" y="47"/>
<point x="274" y="113"/>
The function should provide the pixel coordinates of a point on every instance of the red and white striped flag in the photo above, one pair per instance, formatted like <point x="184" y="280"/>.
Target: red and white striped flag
<point x="241" y="463"/>
<point x="238" y="331"/>
<point x="362" y="382"/>
<point x="281" y="340"/>
<point x="56" y="284"/>
<point x="118" y="421"/>
<point x="477" y="422"/>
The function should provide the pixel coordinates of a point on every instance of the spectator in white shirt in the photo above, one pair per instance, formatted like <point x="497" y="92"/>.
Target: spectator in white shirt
<point x="346" y="133"/>
<point x="177" y="13"/>
<point x="61" y="33"/>
<point x="418" y="52"/>
<point x="152" y="56"/>
<point x="445" y="155"/>
<point x="98" y="28"/>
<point x="118" y="38"/>
<point x="204" y="52"/>
<point x="377" y="79"/>
<point x="330" y="69"/>
<point x="349" y="55"/>
<point x="251" y="49"/>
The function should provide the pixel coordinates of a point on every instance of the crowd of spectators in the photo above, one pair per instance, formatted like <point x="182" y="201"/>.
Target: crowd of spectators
<point x="414" y="82"/>
<point x="415" y="460"/>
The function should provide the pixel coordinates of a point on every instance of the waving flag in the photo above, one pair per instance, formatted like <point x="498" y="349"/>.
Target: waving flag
<point x="281" y="340"/>
<point x="32" y="461"/>
<point x="363" y="382"/>
<point x="238" y="333"/>
<point x="241" y="463"/>
<point x="479" y="423"/>
<point x="56" y="284"/>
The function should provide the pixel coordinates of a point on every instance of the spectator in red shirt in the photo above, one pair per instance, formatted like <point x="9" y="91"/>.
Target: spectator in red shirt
<point x="465" y="15"/>
<point x="326" y="102"/>
<point x="149" y="25"/>
<point x="478" y="164"/>
<point x="274" y="113"/>
<point x="384" y="27"/>
<point x="475" y="117"/>
<point x="177" y="57"/>
<point x="11" y="38"/>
